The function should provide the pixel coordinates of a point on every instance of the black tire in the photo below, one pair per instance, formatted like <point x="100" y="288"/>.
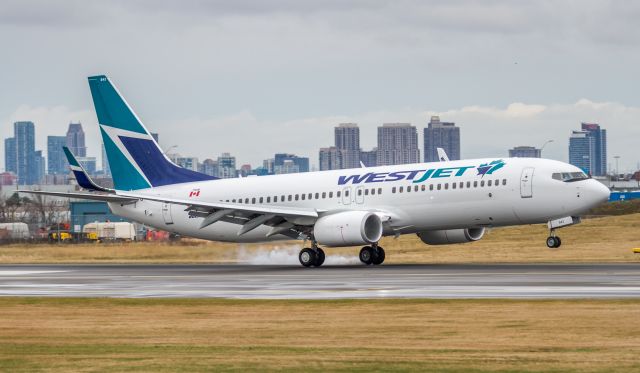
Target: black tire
<point x="319" y="257"/>
<point x="378" y="256"/>
<point x="558" y="242"/>
<point x="551" y="242"/>
<point x="366" y="255"/>
<point x="307" y="257"/>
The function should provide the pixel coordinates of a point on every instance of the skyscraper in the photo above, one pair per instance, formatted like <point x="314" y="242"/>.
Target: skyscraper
<point x="582" y="151"/>
<point x="38" y="167"/>
<point x="347" y="141"/>
<point x="600" y="147"/>
<point x="301" y="162"/>
<point x="329" y="159"/>
<point x="525" y="152"/>
<point x="227" y="166"/>
<point x="397" y="144"/>
<point x="24" y="134"/>
<point x="369" y="158"/>
<point x="75" y="140"/>
<point x="441" y="135"/>
<point x="10" y="155"/>
<point x="56" y="160"/>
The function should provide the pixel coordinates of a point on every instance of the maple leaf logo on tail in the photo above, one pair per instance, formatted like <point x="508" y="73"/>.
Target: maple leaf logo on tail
<point x="491" y="167"/>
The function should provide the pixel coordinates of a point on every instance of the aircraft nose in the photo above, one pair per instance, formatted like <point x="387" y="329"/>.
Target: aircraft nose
<point x="600" y="192"/>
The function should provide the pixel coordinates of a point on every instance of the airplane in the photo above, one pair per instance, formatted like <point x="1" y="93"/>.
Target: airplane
<point x="444" y="202"/>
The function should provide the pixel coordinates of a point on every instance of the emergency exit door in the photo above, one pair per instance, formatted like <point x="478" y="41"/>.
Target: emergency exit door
<point x="526" y="183"/>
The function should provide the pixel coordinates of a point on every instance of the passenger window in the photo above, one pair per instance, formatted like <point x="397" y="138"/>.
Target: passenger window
<point x="430" y="186"/>
<point x="475" y="184"/>
<point x="409" y="189"/>
<point x="453" y="185"/>
<point x="400" y="189"/>
<point x="468" y="184"/>
<point x="297" y="196"/>
<point x="489" y="183"/>
<point x="446" y="185"/>
<point x="260" y="199"/>
<point x="324" y="195"/>
<point x="366" y="192"/>
<point x="423" y="187"/>
<point x="268" y="199"/>
<point x="290" y="197"/>
<point x="373" y="191"/>
<point x="379" y="190"/>
<point x="330" y="194"/>
<point x="253" y="200"/>
<point x="338" y="194"/>
<point x="496" y="183"/>
<point x="233" y="200"/>
<point x="461" y="184"/>
<point x="359" y="192"/>
<point x="439" y="186"/>
<point x="481" y="183"/>
<point x="317" y="195"/>
<point x="393" y="190"/>
<point x="246" y="200"/>
<point x="504" y="181"/>
<point x="303" y="196"/>
<point x="310" y="195"/>
<point x="346" y="193"/>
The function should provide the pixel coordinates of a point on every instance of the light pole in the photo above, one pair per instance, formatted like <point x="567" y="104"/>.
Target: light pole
<point x="543" y="145"/>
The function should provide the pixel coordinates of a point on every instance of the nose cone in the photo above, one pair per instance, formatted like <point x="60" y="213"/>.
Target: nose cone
<point x="598" y="192"/>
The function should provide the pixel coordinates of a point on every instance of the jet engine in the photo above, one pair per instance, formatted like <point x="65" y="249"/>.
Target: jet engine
<point x="449" y="236"/>
<point x="348" y="228"/>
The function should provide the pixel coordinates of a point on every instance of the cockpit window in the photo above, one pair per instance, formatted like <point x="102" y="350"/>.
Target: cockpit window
<point x="569" y="176"/>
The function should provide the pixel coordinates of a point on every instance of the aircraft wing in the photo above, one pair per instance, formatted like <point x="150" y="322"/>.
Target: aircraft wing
<point x="78" y="195"/>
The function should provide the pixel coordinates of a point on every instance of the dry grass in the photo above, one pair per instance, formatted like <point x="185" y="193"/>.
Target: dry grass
<point x="607" y="239"/>
<point x="155" y="335"/>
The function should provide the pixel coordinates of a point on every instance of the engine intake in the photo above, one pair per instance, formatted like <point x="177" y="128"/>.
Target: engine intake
<point x="348" y="228"/>
<point x="450" y="236"/>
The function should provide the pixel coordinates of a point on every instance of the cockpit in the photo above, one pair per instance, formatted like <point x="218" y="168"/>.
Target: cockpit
<point x="569" y="177"/>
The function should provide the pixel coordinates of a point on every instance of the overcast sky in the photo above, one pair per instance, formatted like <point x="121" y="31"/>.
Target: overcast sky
<point x="258" y="77"/>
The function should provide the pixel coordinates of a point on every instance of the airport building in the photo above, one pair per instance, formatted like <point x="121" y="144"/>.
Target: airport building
<point x="397" y="144"/>
<point x="443" y="135"/>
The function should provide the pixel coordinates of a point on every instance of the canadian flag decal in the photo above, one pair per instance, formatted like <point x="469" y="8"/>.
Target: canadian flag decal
<point x="194" y="193"/>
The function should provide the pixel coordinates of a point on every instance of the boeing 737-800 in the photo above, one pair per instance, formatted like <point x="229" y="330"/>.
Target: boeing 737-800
<point x="443" y="202"/>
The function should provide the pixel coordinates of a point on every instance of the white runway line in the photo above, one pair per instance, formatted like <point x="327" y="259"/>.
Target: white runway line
<point x="25" y="273"/>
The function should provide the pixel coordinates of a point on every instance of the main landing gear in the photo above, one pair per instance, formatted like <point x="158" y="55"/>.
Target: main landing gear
<point x="313" y="256"/>
<point x="372" y="255"/>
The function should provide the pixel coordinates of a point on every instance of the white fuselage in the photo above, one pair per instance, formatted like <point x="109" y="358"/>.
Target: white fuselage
<point x="521" y="192"/>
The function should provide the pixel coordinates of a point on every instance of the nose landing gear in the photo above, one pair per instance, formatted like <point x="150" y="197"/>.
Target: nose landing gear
<point x="372" y="255"/>
<point x="553" y="241"/>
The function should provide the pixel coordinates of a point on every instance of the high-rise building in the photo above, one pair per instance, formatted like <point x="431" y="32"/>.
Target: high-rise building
<point x="209" y="167"/>
<point x="347" y="141"/>
<point x="269" y="165"/>
<point x="10" y="155"/>
<point x="75" y="140"/>
<point x="599" y="156"/>
<point x="301" y="162"/>
<point x="329" y="158"/>
<point x="89" y="164"/>
<point x="39" y="167"/>
<point x="24" y="134"/>
<point x="56" y="160"/>
<point x="106" y="169"/>
<point x="190" y="163"/>
<point x="525" y="152"/>
<point x="582" y="151"/>
<point x="369" y="158"/>
<point x="227" y="166"/>
<point x="443" y="135"/>
<point x="397" y="144"/>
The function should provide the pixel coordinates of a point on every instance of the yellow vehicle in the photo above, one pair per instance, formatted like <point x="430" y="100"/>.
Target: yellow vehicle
<point x="60" y="236"/>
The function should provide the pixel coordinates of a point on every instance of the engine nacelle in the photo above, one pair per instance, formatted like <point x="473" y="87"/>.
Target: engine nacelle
<point x="449" y="236"/>
<point x="348" y="228"/>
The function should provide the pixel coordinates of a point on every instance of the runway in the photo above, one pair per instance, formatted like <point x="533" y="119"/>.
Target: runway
<point x="331" y="282"/>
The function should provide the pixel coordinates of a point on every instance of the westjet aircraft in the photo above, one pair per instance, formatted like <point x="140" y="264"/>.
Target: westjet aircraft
<point x="443" y="202"/>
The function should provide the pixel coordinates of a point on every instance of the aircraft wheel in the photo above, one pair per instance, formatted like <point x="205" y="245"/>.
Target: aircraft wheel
<point x="553" y="242"/>
<point x="558" y="241"/>
<point x="366" y="255"/>
<point x="378" y="256"/>
<point x="319" y="257"/>
<point x="307" y="257"/>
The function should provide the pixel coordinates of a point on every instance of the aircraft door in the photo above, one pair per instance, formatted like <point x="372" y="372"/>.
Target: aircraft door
<point x="360" y="195"/>
<point x="166" y="213"/>
<point x="346" y="196"/>
<point x="526" y="183"/>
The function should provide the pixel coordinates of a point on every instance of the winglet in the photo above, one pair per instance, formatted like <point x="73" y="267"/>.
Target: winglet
<point x="81" y="175"/>
<point x="442" y="155"/>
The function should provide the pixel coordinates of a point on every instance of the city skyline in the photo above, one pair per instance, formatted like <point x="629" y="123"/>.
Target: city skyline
<point x="488" y="67"/>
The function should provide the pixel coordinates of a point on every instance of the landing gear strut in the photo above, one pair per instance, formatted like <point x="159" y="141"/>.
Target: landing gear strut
<point x="313" y="256"/>
<point x="372" y="255"/>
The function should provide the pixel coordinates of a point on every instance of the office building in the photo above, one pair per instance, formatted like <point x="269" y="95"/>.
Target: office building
<point x="269" y="165"/>
<point x="443" y="135"/>
<point x="88" y="163"/>
<point x="106" y="169"/>
<point x="369" y="158"/>
<point x="10" y="155"/>
<point x="39" y="167"/>
<point x="301" y="162"/>
<point x="347" y="141"/>
<point x="599" y="155"/>
<point x="75" y="140"/>
<point x="329" y="159"/>
<point x="525" y="152"/>
<point x="397" y="144"/>
<point x="24" y="134"/>
<point x="190" y="163"/>
<point x="56" y="160"/>
<point x="227" y="166"/>
<point x="209" y="167"/>
<point x="582" y="151"/>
